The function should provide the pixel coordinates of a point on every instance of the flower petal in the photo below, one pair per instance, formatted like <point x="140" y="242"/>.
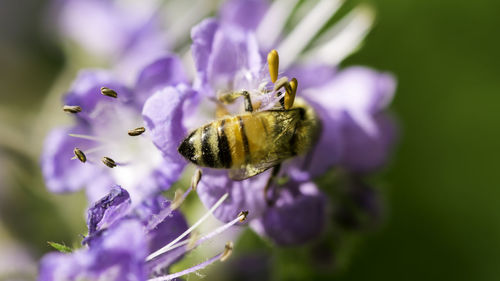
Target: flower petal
<point x="165" y="71"/>
<point x="246" y="195"/>
<point x="296" y="218"/>
<point x="246" y="14"/>
<point x="109" y="259"/>
<point x="164" y="114"/>
<point x="61" y="172"/>
<point x="108" y="210"/>
<point x="86" y="91"/>
<point x="363" y="152"/>
<point x="203" y="36"/>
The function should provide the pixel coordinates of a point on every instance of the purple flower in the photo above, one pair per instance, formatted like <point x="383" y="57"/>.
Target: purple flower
<point x="229" y="55"/>
<point x="102" y="128"/>
<point x="109" y="258"/>
<point x="131" y="242"/>
<point x="122" y="34"/>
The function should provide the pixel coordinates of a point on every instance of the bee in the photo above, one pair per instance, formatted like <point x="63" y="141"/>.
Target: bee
<point x="254" y="141"/>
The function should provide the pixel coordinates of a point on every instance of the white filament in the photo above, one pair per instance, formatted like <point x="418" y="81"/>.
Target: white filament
<point x="216" y="232"/>
<point x="274" y="21"/>
<point x="305" y="31"/>
<point x="343" y="39"/>
<point x="195" y="225"/>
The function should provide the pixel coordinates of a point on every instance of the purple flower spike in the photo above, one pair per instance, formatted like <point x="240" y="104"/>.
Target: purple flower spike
<point x="298" y="216"/>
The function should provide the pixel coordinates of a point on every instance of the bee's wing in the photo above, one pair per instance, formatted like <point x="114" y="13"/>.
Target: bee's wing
<point x="251" y="170"/>
<point x="281" y="148"/>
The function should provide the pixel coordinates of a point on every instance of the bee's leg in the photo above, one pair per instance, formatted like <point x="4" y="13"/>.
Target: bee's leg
<point x="231" y="97"/>
<point x="290" y="88"/>
<point x="248" y="101"/>
<point x="274" y="173"/>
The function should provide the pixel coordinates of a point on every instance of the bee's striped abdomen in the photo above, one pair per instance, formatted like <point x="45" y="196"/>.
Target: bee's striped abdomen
<point x="230" y="143"/>
<point x="209" y="148"/>
<point x="224" y="154"/>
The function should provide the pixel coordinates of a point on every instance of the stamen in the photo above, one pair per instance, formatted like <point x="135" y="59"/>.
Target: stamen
<point x="80" y="155"/>
<point x="307" y="28"/>
<point x="72" y="108"/>
<point x="221" y="256"/>
<point x="241" y="217"/>
<point x="165" y="248"/>
<point x="274" y="21"/>
<point x="87" y="137"/>
<point x="136" y="131"/>
<point x="196" y="179"/>
<point x="343" y="38"/>
<point x="227" y="251"/>
<point x="108" y="162"/>
<point x="192" y="241"/>
<point x="108" y="92"/>
<point x="290" y="96"/>
<point x="282" y="82"/>
<point x="179" y="198"/>
<point x="273" y="62"/>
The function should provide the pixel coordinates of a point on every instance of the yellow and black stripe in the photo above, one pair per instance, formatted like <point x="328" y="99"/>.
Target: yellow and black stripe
<point x="247" y="139"/>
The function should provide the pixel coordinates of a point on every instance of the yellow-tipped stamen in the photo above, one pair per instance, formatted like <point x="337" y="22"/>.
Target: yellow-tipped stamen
<point x="282" y="83"/>
<point x="108" y="162"/>
<point x="227" y="251"/>
<point x="243" y="216"/>
<point x="194" y="226"/>
<point x="290" y="96"/>
<point x="240" y="218"/>
<point x="273" y="61"/>
<point x="80" y="155"/>
<point x="196" y="179"/>
<point x="192" y="240"/>
<point x="72" y="108"/>
<point x="178" y="199"/>
<point x="108" y="92"/>
<point x="136" y="131"/>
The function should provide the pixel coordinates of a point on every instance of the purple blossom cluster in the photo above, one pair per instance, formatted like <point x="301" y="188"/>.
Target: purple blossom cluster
<point x="102" y="149"/>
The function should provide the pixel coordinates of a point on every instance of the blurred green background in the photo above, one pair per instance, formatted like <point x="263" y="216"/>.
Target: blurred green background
<point x="442" y="190"/>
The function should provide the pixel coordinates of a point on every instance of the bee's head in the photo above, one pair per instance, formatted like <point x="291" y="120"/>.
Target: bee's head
<point x="187" y="149"/>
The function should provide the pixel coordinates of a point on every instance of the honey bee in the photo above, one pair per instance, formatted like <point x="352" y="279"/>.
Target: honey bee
<point x="252" y="142"/>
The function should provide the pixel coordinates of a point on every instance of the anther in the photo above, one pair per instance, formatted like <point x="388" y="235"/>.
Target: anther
<point x="178" y="199"/>
<point x="244" y="214"/>
<point x="136" y="131"/>
<point x="80" y="155"/>
<point x="108" y="92"/>
<point x="72" y="108"/>
<point x="108" y="162"/>
<point x="196" y="179"/>
<point x="290" y="96"/>
<point x="282" y="82"/>
<point x="227" y="251"/>
<point x="273" y="62"/>
<point x="193" y="239"/>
